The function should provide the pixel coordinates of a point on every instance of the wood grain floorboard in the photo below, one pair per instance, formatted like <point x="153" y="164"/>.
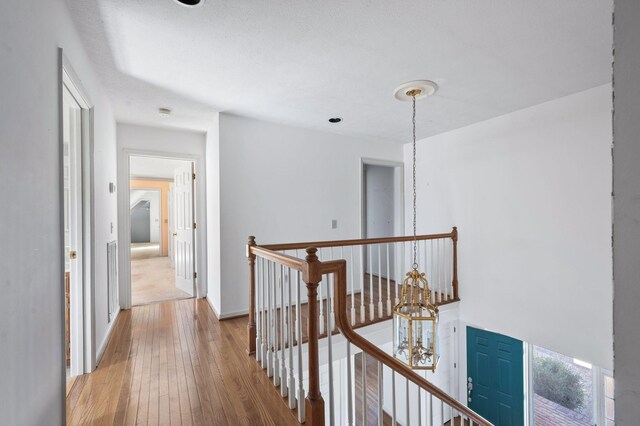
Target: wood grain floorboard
<point x="371" y="370"/>
<point x="174" y="363"/>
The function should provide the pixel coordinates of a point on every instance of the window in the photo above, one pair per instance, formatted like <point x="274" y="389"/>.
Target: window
<point x="562" y="389"/>
<point x="567" y="391"/>
<point x="609" y="409"/>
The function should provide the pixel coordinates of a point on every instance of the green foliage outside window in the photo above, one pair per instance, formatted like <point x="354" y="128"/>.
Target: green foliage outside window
<point x="557" y="382"/>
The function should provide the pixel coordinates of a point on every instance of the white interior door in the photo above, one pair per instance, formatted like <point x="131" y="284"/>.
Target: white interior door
<point x="72" y="163"/>
<point x="184" y="221"/>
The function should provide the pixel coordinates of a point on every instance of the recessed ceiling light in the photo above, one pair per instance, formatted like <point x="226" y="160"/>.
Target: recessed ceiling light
<point x="190" y="3"/>
<point x="335" y="120"/>
<point x="165" y="112"/>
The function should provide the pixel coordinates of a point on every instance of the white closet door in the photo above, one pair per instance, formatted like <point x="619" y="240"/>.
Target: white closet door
<point x="184" y="221"/>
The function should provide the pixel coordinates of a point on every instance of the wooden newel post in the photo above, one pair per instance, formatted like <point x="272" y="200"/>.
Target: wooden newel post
<point x="312" y="277"/>
<point x="251" y="325"/>
<point x="454" y="282"/>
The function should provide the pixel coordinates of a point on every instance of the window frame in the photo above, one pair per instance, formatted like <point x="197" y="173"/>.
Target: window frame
<point x="598" y="389"/>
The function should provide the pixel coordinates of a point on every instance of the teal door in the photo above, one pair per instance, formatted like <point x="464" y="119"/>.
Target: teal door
<point x="496" y="377"/>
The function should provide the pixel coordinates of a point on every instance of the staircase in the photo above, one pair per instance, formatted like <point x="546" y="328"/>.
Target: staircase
<point x="306" y="301"/>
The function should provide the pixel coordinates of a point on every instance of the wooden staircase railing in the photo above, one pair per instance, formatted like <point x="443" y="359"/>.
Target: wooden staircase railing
<point x="332" y="303"/>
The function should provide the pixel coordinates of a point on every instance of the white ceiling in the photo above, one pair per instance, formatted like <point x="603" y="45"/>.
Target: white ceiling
<point x="152" y="167"/>
<point x="301" y="62"/>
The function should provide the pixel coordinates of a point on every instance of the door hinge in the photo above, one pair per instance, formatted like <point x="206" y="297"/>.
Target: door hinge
<point x="194" y="225"/>
<point x="455" y="365"/>
<point x="194" y="176"/>
<point x="195" y="275"/>
<point x="454" y="329"/>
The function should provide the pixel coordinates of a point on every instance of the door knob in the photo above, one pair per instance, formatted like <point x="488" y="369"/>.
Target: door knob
<point x="73" y="254"/>
<point x="175" y="234"/>
<point x="469" y="388"/>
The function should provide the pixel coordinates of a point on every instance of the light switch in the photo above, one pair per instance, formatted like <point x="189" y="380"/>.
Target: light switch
<point x="334" y="223"/>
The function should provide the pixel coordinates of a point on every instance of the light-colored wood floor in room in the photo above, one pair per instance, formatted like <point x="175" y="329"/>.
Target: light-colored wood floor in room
<point x="153" y="280"/>
<point x="175" y="363"/>
<point x="145" y="250"/>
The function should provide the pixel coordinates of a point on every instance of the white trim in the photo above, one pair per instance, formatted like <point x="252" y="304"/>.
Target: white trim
<point x="155" y="179"/>
<point x="529" y="399"/>
<point x="105" y="341"/>
<point x="69" y="79"/>
<point x="599" y="394"/>
<point x="227" y="315"/>
<point x="124" y="219"/>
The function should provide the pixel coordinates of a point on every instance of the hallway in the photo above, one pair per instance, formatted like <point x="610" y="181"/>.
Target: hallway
<point x="175" y="363"/>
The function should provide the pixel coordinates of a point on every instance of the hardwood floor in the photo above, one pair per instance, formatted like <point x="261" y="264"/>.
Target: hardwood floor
<point x="371" y="369"/>
<point x="175" y="363"/>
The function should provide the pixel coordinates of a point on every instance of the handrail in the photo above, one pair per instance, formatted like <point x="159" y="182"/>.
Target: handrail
<point x="356" y="242"/>
<point x="268" y="250"/>
<point x="311" y="271"/>
<point x="339" y="270"/>
<point x="284" y="259"/>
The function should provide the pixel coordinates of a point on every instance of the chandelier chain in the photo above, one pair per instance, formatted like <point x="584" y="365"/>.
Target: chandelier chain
<point x="415" y="239"/>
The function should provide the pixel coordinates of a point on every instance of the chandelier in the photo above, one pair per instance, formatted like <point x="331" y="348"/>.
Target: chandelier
<point x="415" y="317"/>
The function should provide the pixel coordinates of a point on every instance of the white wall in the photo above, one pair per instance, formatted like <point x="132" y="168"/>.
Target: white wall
<point x="530" y="193"/>
<point x="135" y="139"/>
<point x="153" y="197"/>
<point x="626" y="211"/>
<point x="284" y="184"/>
<point x="31" y="256"/>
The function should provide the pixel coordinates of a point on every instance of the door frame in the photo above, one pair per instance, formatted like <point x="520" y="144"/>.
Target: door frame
<point x="170" y="225"/>
<point x="83" y="313"/>
<point x="398" y="195"/>
<point x="124" y="218"/>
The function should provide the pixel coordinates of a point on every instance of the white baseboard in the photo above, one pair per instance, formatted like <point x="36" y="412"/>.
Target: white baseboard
<point x="235" y="314"/>
<point x="105" y="341"/>
<point x="215" y="311"/>
<point x="227" y="315"/>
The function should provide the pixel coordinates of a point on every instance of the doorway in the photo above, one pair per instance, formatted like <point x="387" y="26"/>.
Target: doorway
<point x="495" y="382"/>
<point x="161" y="229"/>
<point x="75" y="140"/>
<point x="382" y="210"/>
